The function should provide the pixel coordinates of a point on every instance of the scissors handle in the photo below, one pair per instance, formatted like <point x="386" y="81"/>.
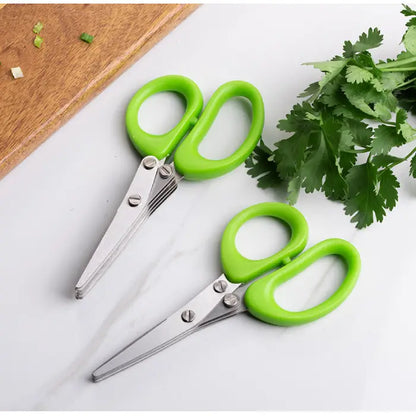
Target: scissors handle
<point x="259" y="297"/>
<point x="190" y="163"/>
<point x="162" y="145"/>
<point x="240" y="269"/>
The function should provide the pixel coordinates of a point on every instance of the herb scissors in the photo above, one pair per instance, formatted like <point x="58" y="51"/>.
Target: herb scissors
<point x="156" y="179"/>
<point x="233" y="293"/>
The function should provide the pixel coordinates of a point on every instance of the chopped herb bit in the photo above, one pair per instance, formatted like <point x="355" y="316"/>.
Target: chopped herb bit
<point x="17" y="72"/>
<point x="37" y="28"/>
<point x="86" y="37"/>
<point x="38" y="41"/>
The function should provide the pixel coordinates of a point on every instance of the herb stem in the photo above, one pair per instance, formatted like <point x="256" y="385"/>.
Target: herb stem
<point x="399" y="69"/>
<point x="410" y="154"/>
<point x="406" y="83"/>
<point x="397" y="63"/>
<point x="355" y="151"/>
<point x="393" y="164"/>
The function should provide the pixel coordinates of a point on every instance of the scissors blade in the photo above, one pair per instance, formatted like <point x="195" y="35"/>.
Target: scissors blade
<point x="206" y="308"/>
<point x="146" y="193"/>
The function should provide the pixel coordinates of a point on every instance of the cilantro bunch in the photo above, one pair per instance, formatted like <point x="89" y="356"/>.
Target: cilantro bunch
<point x="342" y="134"/>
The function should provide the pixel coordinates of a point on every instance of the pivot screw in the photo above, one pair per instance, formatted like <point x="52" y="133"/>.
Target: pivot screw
<point x="149" y="162"/>
<point x="188" y="315"/>
<point x="220" y="286"/>
<point x="134" y="200"/>
<point x="165" y="171"/>
<point x="230" y="300"/>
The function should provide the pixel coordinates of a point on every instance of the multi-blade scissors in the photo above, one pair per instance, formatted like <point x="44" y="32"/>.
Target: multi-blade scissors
<point x="156" y="179"/>
<point x="233" y="293"/>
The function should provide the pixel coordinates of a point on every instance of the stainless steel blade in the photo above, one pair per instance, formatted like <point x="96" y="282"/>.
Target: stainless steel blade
<point x="131" y="213"/>
<point x="165" y="184"/>
<point x="207" y="307"/>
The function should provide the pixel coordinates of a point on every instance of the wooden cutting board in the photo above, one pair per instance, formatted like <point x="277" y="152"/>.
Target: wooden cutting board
<point x="66" y="73"/>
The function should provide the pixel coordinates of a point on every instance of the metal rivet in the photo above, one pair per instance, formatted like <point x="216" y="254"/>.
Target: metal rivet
<point x="134" y="200"/>
<point x="149" y="162"/>
<point x="188" y="315"/>
<point x="165" y="171"/>
<point x="230" y="300"/>
<point x="220" y="286"/>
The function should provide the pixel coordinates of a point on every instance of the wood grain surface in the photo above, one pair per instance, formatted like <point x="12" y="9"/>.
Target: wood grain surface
<point x="66" y="73"/>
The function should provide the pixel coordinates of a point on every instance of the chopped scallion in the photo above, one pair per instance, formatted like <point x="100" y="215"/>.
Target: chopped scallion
<point x="38" y="41"/>
<point x="38" y="27"/>
<point x="17" y="72"/>
<point x="86" y="37"/>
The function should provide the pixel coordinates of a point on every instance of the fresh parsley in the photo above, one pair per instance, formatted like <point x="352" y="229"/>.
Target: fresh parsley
<point x="343" y="133"/>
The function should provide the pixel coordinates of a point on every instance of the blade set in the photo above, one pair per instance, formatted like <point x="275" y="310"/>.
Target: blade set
<point x="153" y="183"/>
<point x="220" y="300"/>
<point x="246" y="285"/>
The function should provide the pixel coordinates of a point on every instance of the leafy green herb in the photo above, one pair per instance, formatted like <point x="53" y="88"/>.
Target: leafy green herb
<point x="37" y="28"/>
<point x="86" y="37"/>
<point x="342" y="134"/>
<point x="38" y="41"/>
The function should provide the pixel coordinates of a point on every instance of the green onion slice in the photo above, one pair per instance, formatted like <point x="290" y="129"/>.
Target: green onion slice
<point x="86" y="37"/>
<point x="38" y="41"/>
<point x="38" y="27"/>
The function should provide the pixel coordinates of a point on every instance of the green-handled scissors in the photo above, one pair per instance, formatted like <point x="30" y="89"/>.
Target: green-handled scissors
<point x="155" y="179"/>
<point x="233" y="293"/>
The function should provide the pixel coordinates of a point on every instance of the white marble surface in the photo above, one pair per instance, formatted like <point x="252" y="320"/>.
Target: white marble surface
<point x="55" y="206"/>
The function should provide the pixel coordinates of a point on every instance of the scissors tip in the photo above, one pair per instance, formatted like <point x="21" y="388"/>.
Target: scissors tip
<point x="100" y="374"/>
<point x="79" y="293"/>
<point x="95" y="379"/>
<point x="78" y="296"/>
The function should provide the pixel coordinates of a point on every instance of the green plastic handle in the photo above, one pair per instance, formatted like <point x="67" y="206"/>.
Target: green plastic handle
<point x="240" y="269"/>
<point x="188" y="160"/>
<point x="162" y="145"/>
<point x="259" y="297"/>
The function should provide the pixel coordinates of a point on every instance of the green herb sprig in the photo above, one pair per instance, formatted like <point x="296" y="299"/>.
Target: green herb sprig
<point x="358" y="107"/>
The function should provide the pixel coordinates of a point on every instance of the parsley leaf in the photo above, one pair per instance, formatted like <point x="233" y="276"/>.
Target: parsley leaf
<point x="386" y="160"/>
<point x="385" y="138"/>
<point x="357" y="75"/>
<point x="371" y="39"/>
<point x="365" y="202"/>
<point x="413" y="167"/>
<point x="360" y="132"/>
<point x="293" y="189"/>
<point x="407" y="11"/>
<point x="409" y="40"/>
<point x="330" y="68"/>
<point x="388" y="188"/>
<point x="260" y="165"/>
<point x="312" y="91"/>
